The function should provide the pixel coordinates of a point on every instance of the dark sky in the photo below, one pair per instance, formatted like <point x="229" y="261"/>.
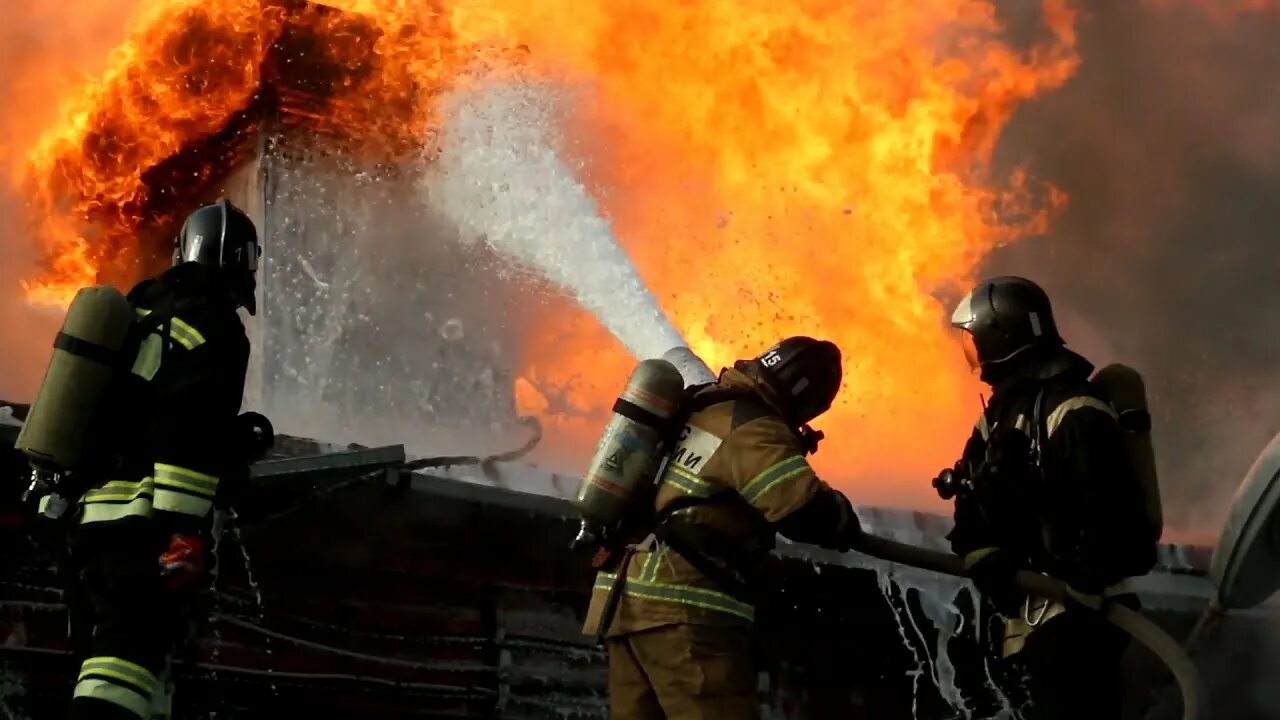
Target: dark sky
<point x="1168" y="142"/>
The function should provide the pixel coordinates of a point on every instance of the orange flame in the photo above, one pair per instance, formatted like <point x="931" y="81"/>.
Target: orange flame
<point x="110" y="175"/>
<point x="800" y="168"/>
<point x="813" y="166"/>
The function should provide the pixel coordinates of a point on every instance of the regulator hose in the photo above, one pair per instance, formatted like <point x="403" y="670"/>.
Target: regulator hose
<point x="1194" y="697"/>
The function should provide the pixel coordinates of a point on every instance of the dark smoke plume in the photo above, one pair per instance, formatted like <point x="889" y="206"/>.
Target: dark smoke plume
<point x="1168" y="142"/>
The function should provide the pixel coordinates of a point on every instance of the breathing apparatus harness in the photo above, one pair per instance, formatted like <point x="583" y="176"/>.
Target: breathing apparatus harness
<point x="62" y="486"/>
<point x="727" y="564"/>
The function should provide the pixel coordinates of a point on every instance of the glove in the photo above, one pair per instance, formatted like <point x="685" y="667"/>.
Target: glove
<point x="183" y="564"/>
<point x="850" y="534"/>
<point x="256" y="436"/>
<point x="996" y="577"/>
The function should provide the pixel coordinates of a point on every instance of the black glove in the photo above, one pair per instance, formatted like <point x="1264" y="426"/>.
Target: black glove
<point x="827" y="520"/>
<point x="996" y="577"/>
<point x="255" y="435"/>
<point x="850" y="533"/>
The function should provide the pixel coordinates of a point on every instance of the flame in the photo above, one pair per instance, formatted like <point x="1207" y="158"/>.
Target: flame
<point x="808" y="167"/>
<point x="111" y="173"/>
<point x="802" y="168"/>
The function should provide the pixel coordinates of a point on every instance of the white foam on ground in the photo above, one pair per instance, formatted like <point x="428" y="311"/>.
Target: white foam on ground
<point x="499" y="176"/>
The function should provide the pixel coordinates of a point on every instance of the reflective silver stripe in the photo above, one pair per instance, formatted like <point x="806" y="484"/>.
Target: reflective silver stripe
<point x="774" y="475"/>
<point x="1081" y="401"/>
<point x="107" y="691"/>
<point x="116" y="500"/>
<point x="178" y="477"/>
<point x="119" y="491"/>
<point x="110" y="512"/>
<point x="650" y="569"/>
<point x="119" y="682"/>
<point x="120" y="669"/>
<point x="686" y="482"/>
<point x="183" y="490"/>
<point x="180" y="502"/>
<point x="679" y="594"/>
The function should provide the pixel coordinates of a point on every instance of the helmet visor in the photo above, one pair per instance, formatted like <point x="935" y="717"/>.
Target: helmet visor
<point x="970" y="350"/>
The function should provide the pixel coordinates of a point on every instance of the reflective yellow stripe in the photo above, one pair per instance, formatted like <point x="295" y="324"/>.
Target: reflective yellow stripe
<point x="679" y="594"/>
<point x="180" y="331"/>
<point x="119" y="682"/>
<point x="774" y="475"/>
<point x="121" y="669"/>
<point x="1083" y="401"/>
<point x="110" y="512"/>
<point x="650" y="569"/>
<point x="186" y="479"/>
<point x="686" y="482"/>
<point x="185" y="334"/>
<point x="180" y="502"/>
<point x="119" y="491"/>
<point x="107" y="691"/>
<point x="972" y="558"/>
<point x="117" y="500"/>
<point x="183" y="490"/>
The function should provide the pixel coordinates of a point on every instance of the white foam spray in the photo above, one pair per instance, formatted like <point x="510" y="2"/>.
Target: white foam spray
<point x="938" y="597"/>
<point x="500" y="177"/>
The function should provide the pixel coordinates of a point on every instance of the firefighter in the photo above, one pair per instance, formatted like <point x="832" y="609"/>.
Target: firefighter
<point x="138" y="533"/>
<point x="678" y="636"/>
<point x="1044" y="484"/>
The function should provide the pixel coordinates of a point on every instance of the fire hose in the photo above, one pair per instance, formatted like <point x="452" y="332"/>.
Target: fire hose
<point x="1150" y="635"/>
<point x="487" y="462"/>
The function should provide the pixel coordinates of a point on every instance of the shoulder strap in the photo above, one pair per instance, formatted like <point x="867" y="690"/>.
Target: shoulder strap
<point x="1038" y="431"/>
<point x="159" y="319"/>
<point x="700" y="401"/>
<point x="697" y="401"/>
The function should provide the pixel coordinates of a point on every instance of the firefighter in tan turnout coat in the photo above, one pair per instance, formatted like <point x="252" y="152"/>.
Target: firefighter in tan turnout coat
<point x="679" y="643"/>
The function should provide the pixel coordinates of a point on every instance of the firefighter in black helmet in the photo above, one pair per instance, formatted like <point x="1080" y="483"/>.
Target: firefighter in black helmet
<point x="138" y="530"/>
<point x="1044" y="485"/>
<point x="678" y="638"/>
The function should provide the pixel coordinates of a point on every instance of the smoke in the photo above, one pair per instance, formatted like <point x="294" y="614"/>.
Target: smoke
<point x="1167" y="143"/>
<point x="44" y="49"/>
<point x="377" y="324"/>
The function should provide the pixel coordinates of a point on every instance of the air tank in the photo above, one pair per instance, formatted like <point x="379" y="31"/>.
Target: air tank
<point x="621" y="474"/>
<point x="82" y="369"/>
<point x="1127" y="393"/>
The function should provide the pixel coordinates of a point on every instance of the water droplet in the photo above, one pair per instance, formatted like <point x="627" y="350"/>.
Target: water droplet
<point x="451" y="330"/>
